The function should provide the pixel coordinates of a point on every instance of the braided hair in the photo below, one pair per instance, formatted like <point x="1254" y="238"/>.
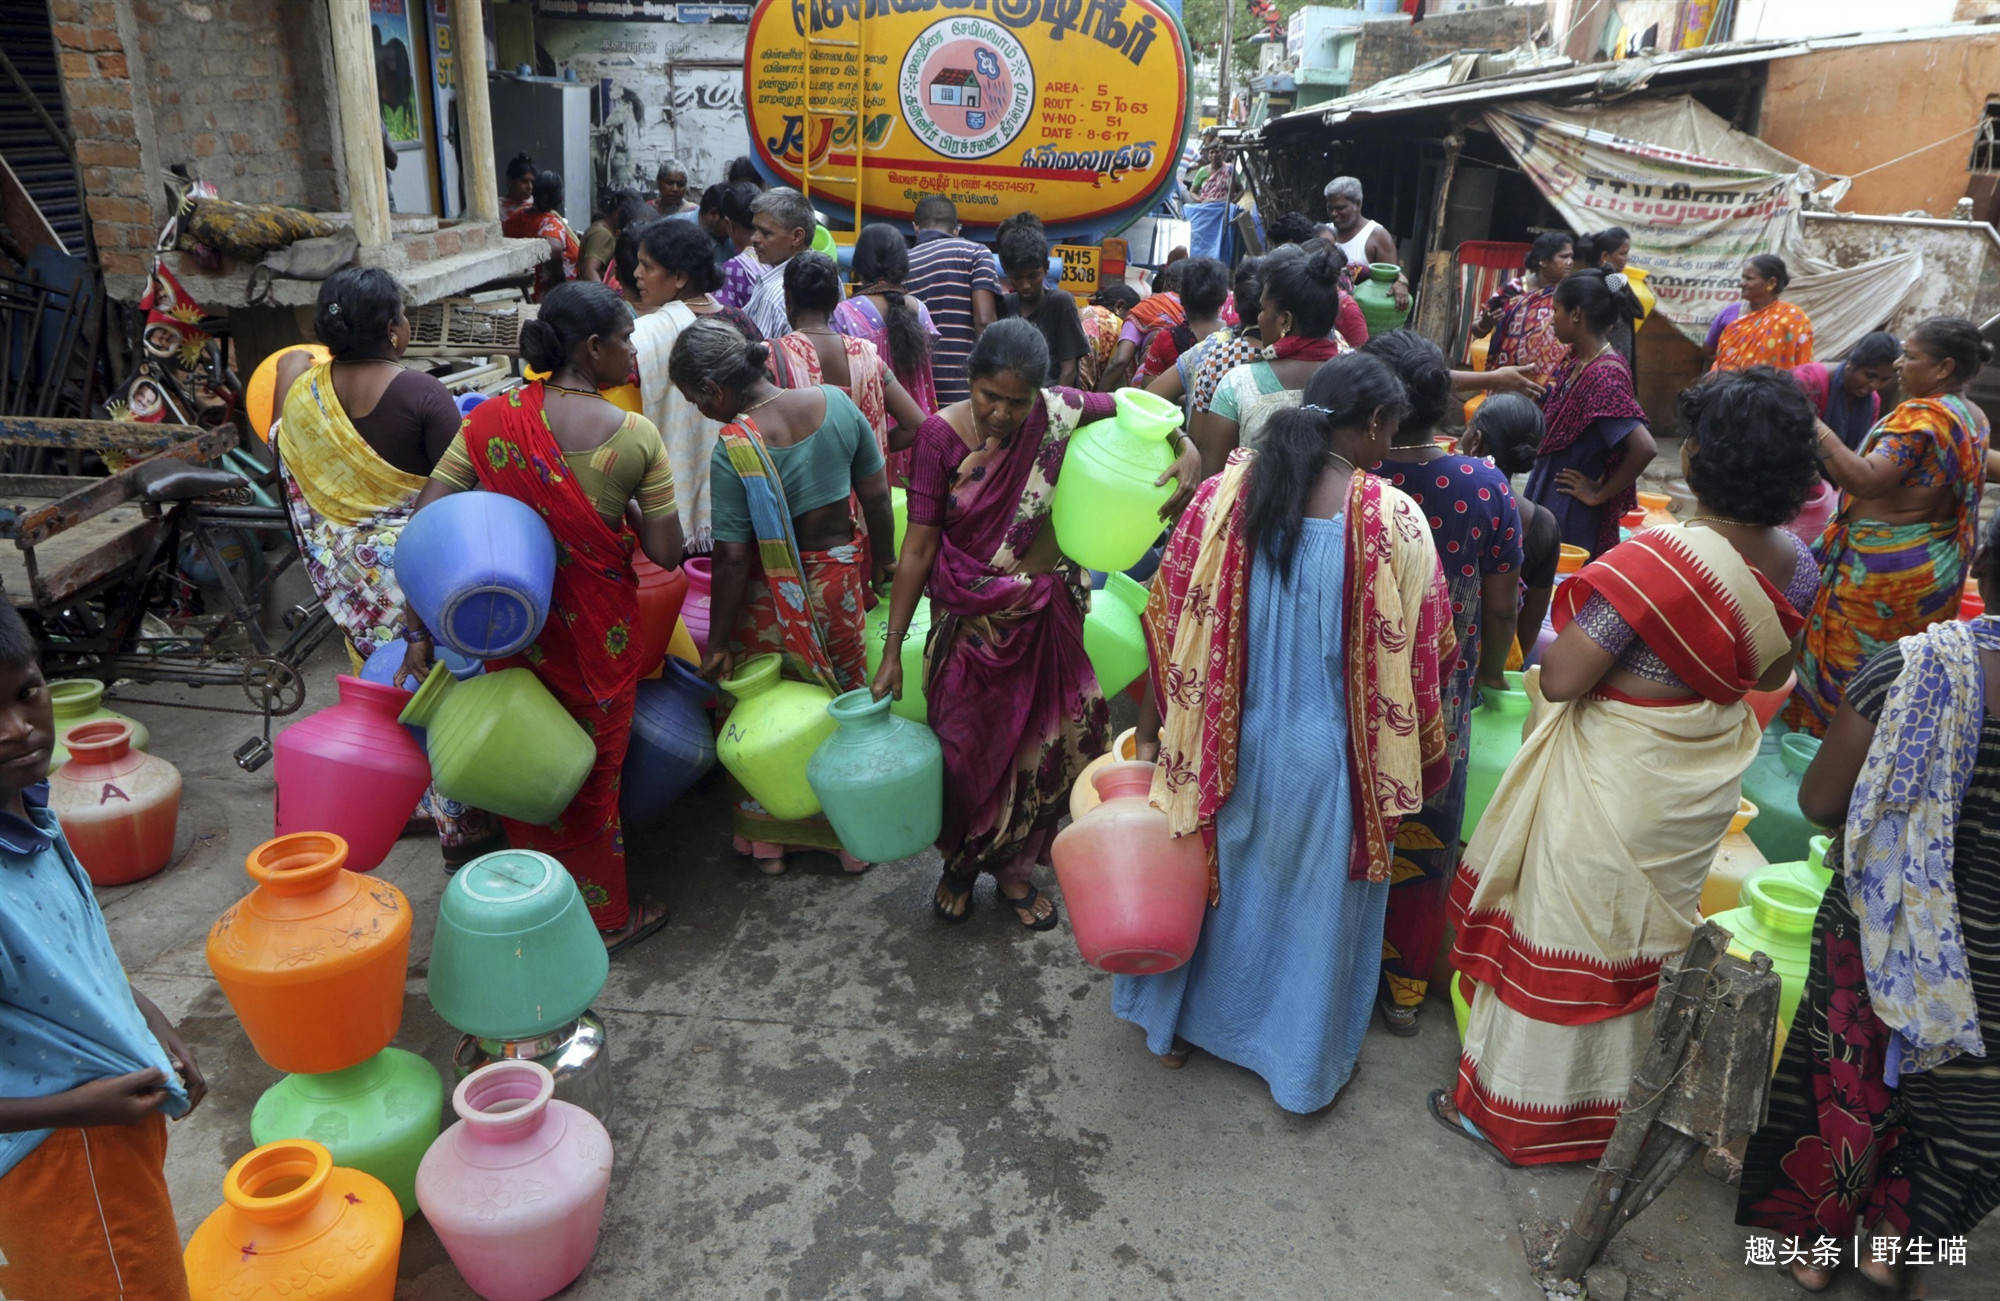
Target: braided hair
<point x="881" y="261"/>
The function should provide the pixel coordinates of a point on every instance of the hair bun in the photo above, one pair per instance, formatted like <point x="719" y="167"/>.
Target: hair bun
<point x="541" y="346"/>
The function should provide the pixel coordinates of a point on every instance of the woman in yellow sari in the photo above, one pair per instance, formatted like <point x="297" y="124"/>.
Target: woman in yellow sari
<point x="356" y="443"/>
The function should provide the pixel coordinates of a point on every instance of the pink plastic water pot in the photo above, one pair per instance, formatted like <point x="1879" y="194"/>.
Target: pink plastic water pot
<point x="516" y="1188"/>
<point x="1135" y="892"/>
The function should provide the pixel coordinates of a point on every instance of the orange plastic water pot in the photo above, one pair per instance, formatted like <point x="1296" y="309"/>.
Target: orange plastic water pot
<point x="313" y="960"/>
<point x="294" y="1224"/>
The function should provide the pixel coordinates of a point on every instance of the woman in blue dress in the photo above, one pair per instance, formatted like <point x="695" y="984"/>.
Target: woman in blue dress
<point x="1291" y="746"/>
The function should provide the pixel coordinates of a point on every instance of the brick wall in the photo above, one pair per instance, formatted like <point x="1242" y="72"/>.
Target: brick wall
<point x="1387" y="47"/>
<point x="239" y="90"/>
<point x="104" y="115"/>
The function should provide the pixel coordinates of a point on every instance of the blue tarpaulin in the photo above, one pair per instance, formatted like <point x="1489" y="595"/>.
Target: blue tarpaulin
<point x="1211" y="230"/>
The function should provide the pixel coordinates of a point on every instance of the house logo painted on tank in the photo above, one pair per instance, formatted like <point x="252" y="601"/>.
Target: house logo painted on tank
<point x="966" y="87"/>
<point x="1073" y="107"/>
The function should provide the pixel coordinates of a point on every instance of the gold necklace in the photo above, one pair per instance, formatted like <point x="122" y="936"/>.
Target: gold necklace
<point x="1723" y="519"/>
<point x="761" y="402"/>
<point x="1338" y="459"/>
<point x="574" y="392"/>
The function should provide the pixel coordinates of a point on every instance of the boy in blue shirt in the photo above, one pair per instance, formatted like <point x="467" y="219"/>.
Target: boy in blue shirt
<point x="88" y="1065"/>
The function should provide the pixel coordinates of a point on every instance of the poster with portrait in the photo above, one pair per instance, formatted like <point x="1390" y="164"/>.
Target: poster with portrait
<point x="396" y="72"/>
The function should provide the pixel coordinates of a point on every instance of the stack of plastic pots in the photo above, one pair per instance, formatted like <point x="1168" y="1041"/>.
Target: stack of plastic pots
<point x="313" y="962"/>
<point x="514" y="966"/>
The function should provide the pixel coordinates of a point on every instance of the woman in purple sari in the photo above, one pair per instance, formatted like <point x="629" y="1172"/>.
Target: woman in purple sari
<point x="1012" y="696"/>
<point x="1596" y="442"/>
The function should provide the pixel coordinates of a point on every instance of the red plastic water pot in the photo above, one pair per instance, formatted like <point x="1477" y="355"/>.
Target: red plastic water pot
<point x="1135" y="892"/>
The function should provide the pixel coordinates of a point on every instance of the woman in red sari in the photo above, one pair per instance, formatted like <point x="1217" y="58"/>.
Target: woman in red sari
<point x="598" y="477"/>
<point x="543" y="219"/>
<point x="1012" y="696"/>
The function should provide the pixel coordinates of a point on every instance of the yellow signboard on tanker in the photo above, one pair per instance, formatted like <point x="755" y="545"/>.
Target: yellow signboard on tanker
<point x="1071" y="109"/>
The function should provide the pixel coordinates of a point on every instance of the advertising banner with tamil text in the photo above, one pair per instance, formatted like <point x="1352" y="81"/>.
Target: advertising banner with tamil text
<point x="1699" y="199"/>
<point x="1071" y="109"/>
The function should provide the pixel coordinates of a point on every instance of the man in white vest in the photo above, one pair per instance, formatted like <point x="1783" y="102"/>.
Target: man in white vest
<point x="1360" y="240"/>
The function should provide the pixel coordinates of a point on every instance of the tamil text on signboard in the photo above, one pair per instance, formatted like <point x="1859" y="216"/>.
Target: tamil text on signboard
<point x="1075" y="108"/>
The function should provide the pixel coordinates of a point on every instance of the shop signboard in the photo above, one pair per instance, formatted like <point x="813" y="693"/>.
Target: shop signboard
<point x="1073" y="109"/>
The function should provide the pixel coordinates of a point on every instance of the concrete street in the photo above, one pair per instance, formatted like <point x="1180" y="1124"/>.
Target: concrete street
<point x="824" y="1092"/>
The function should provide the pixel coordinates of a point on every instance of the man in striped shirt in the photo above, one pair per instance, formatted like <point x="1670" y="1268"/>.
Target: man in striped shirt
<point x="954" y="277"/>
<point x="781" y="228"/>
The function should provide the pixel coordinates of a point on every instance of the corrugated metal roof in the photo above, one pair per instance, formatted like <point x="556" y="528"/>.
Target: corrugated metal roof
<point x="1421" y="89"/>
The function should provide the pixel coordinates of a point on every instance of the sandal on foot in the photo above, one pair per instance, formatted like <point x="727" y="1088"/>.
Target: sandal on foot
<point x="648" y="918"/>
<point x="1026" y="905"/>
<point x="1435" y="1104"/>
<point x="1398" y="1019"/>
<point x="1177" y="1056"/>
<point x="1793" y="1272"/>
<point x="853" y="866"/>
<point x="958" y="887"/>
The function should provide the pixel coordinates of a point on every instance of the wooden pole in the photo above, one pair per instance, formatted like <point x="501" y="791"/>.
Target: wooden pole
<point x="360" y="122"/>
<point x="1433" y="306"/>
<point x="1222" y="69"/>
<point x="1603" y="1208"/>
<point x="482" y="181"/>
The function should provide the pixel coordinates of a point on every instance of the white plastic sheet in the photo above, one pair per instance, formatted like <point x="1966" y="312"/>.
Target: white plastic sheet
<point x="1699" y="198"/>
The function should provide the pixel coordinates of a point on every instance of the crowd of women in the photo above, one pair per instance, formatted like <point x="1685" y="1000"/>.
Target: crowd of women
<point x="1336" y="588"/>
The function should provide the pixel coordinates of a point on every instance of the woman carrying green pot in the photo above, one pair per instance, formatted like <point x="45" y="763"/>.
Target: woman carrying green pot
<point x="1882" y="1126"/>
<point x="1012" y="696"/>
<point x="786" y="466"/>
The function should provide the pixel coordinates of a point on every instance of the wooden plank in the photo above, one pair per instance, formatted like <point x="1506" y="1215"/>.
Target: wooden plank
<point x="79" y="499"/>
<point x="97" y="435"/>
<point x="77" y="559"/>
<point x="41" y="485"/>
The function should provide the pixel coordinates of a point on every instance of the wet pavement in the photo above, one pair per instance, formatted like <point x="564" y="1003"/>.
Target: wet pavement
<point x="822" y="1091"/>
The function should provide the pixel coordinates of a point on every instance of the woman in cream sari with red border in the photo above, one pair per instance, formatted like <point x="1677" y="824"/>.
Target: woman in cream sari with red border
<point x="1586" y="870"/>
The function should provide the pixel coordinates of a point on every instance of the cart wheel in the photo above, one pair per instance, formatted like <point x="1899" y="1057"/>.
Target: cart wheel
<point x="273" y="686"/>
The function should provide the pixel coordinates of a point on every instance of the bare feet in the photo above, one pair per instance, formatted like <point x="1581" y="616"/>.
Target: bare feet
<point x="769" y="858"/>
